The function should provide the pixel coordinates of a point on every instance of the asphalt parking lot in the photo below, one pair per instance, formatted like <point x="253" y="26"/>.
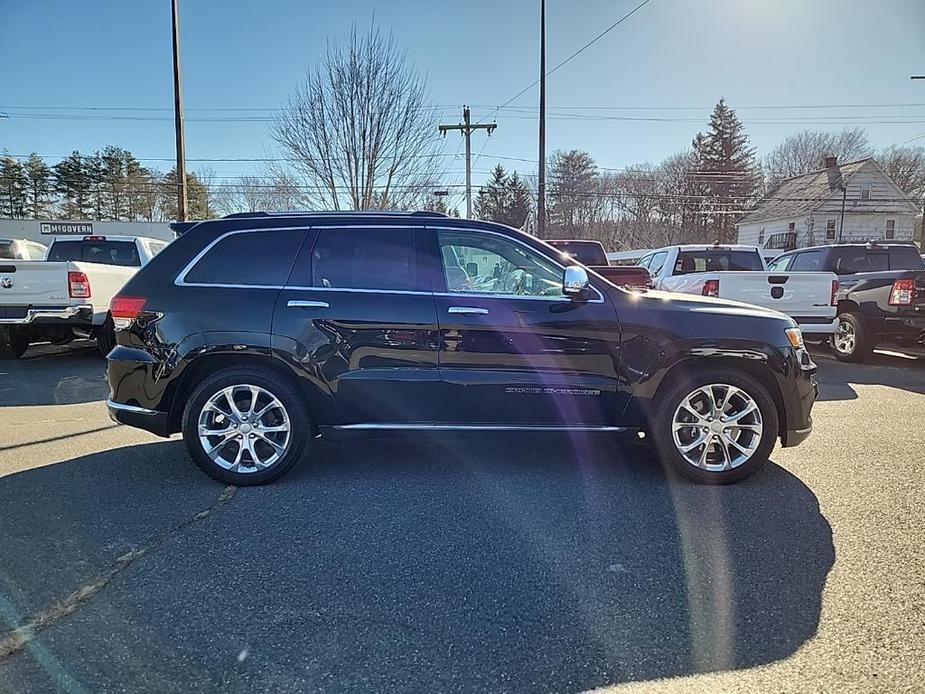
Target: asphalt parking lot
<point x="489" y="563"/>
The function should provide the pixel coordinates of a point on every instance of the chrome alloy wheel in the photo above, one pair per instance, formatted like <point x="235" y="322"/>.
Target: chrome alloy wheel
<point x="717" y="427"/>
<point x="845" y="337"/>
<point x="244" y="428"/>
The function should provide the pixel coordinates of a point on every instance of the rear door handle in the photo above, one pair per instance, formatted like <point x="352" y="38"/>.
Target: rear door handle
<point x="468" y="310"/>
<point x="296" y="303"/>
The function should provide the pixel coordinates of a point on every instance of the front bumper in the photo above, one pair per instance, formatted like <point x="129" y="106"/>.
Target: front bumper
<point x="140" y="417"/>
<point x="53" y="315"/>
<point x="799" y="392"/>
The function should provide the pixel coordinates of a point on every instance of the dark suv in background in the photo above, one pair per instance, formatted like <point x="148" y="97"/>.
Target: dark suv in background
<point x="881" y="295"/>
<point x="253" y="333"/>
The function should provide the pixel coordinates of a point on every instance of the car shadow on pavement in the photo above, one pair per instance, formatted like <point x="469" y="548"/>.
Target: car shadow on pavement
<point x="466" y="562"/>
<point x="50" y="375"/>
<point x="884" y="368"/>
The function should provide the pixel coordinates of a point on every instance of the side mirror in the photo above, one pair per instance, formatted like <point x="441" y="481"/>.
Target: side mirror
<point x="575" y="280"/>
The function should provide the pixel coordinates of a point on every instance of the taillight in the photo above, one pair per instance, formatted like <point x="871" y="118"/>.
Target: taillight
<point x="834" y="301"/>
<point x="78" y="285"/>
<point x="711" y="288"/>
<point x="903" y="293"/>
<point x="125" y="309"/>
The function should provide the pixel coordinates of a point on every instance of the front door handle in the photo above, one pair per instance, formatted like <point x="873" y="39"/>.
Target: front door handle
<point x="296" y="303"/>
<point x="468" y="310"/>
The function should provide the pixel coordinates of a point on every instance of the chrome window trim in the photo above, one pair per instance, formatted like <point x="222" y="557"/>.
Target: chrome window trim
<point x="180" y="280"/>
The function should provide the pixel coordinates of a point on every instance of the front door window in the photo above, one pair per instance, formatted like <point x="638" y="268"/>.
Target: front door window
<point x="475" y="263"/>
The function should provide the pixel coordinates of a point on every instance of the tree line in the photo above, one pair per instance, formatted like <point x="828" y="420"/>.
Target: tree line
<point x="109" y="184"/>
<point x="693" y="196"/>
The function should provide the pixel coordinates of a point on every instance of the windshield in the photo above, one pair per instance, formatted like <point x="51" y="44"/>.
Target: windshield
<point x="105" y="252"/>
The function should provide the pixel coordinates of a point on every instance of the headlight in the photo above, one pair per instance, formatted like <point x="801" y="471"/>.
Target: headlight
<point x="795" y="337"/>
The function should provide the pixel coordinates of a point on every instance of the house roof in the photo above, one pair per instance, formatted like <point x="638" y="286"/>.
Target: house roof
<point x="799" y="194"/>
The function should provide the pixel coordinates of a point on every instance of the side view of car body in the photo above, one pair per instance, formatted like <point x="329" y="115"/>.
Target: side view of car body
<point x="253" y="333"/>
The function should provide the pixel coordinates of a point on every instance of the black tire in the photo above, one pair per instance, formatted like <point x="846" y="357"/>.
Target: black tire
<point x="863" y="345"/>
<point x="282" y="389"/>
<point x="13" y="342"/>
<point x="106" y="336"/>
<point x="663" y="436"/>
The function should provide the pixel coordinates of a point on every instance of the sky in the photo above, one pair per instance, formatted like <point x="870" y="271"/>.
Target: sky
<point x="640" y="93"/>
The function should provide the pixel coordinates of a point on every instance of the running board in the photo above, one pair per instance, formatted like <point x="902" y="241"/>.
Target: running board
<point x="473" y="427"/>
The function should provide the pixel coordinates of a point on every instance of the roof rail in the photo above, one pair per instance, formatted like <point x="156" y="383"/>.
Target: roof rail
<point x="334" y="213"/>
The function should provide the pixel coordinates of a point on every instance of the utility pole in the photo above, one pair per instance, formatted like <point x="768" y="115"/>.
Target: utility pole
<point x="466" y="128"/>
<point x="541" y="180"/>
<point x="178" y="115"/>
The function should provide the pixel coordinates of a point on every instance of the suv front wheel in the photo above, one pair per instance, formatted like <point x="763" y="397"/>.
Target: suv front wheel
<point x="245" y="426"/>
<point x="716" y="427"/>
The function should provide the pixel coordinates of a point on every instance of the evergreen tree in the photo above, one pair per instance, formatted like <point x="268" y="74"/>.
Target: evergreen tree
<point x="73" y="179"/>
<point x="574" y="205"/>
<point x="13" y="186"/>
<point x="198" y="204"/>
<point x="727" y="169"/>
<point x="505" y="198"/>
<point x="40" y="186"/>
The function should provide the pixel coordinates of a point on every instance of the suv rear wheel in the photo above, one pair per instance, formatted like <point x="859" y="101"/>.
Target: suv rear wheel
<point x="717" y="427"/>
<point x="245" y="426"/>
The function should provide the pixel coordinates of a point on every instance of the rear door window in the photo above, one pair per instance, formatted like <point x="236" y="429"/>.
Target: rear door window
<point x="123" y="253"/>
<point x="807" y="262"/>
<point x="362" y="258"/>
<point x="252" y="258"/>
<point x="849" y="260"/>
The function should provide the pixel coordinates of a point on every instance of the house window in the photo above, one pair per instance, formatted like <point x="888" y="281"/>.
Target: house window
<point x="761" y="237"/>
<point x="891" y="228"/>
<point x="792" y="226"/>
<point x="865" y="190"/>
<point x="830" y="229"/>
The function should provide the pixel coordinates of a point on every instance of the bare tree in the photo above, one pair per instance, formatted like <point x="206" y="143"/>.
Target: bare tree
<point x="906" y="166"/>
<point x="805" y="150"/>
<point x="359" y="129"/>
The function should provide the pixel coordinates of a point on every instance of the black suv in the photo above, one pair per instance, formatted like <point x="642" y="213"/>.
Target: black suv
<point x="253" y="333"/>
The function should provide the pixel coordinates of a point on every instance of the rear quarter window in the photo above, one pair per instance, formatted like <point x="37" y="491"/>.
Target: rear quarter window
<point x="905" y="258"/>
<point x="250" y="258"/>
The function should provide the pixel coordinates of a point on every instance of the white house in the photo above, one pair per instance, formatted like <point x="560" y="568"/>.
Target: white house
<point x="856" y="201"/>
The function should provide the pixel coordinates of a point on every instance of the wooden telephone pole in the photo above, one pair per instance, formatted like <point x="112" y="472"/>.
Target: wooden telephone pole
<point x="178" y="116"/>
<point x="541" y="178"/>
<point x="466" y="128"/>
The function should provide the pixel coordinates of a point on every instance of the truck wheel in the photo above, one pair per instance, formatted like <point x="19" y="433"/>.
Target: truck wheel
<point x="852" y="341"/>
<point x="716" y="427"/>
<point x="246" y="426"/>
<point x="106" y="336"/>
<point x="13" y="342"/>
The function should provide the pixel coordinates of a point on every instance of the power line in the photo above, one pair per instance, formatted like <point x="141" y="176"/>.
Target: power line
<point x="580" y="50"/>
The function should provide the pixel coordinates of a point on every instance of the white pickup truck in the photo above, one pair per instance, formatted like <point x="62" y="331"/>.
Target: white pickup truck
<point x="739" y="273"/>
<point x="68" y="293"/>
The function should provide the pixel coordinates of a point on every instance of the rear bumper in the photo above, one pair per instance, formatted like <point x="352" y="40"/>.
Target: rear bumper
<point x="902" y="327"/>
<point x="54" y="315"/>
<point x="140" y="417"/>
